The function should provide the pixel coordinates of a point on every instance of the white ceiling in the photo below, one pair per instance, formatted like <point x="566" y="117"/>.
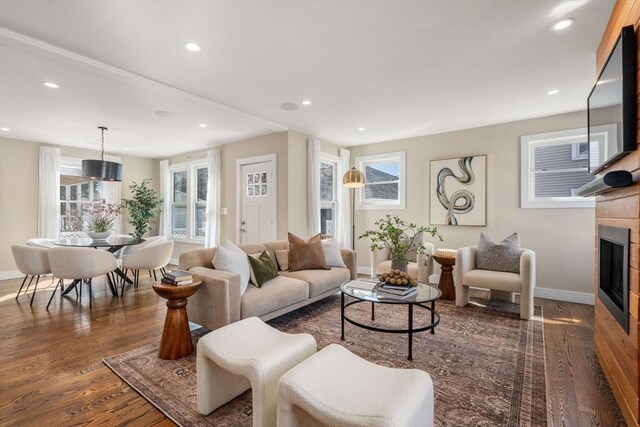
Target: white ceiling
<point x="397" y="68"/>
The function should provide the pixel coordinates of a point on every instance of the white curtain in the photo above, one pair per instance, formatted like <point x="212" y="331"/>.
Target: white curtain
<point x="165" y="193"/>
<point x="212" y="237"/>
<point x="343" y="212"/>
<point x="112" y="192"/>
<point x="49" y="193"/>
<point x="313" y="183"/>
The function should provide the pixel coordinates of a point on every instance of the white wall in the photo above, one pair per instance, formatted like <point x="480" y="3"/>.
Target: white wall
<point x="563" y="239"/>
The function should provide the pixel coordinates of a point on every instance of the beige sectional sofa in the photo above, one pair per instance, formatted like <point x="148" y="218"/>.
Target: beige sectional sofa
<point x="219" y="303"/>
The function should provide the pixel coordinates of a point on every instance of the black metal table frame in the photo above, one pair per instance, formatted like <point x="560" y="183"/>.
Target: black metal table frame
<point x="435" y="318"/>
<point x="112" y="285"/>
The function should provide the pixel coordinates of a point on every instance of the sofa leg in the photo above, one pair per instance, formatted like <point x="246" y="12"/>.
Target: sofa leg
<point x="502" y="295"/>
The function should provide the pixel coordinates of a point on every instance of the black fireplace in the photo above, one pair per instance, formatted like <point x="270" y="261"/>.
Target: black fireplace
<point x="613" y="283"/>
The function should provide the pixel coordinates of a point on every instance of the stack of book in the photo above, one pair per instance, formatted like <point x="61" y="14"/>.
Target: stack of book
<point x="177" y="278"/>
<point x="399" y="292"/>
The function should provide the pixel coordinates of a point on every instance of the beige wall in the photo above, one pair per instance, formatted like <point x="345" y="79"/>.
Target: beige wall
<point x="297" y="185"/>
<point x="273" y="143"/>
<point x="561" y="238"/>
<point x="18" y="196"/>
<point x="19" y="190"/>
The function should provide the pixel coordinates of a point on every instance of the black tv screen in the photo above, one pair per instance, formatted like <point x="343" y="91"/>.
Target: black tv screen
<point x="611" y="106"/>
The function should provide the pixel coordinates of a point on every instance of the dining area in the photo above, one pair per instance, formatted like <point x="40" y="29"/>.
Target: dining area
<point x="74" y="262"/>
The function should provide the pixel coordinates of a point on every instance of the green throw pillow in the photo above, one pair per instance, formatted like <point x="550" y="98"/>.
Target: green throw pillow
<point x="262" y="269"/>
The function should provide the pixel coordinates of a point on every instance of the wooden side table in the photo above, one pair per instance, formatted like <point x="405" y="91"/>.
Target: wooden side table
<point x="176" y="337"/>
<point x="446" y="277"/>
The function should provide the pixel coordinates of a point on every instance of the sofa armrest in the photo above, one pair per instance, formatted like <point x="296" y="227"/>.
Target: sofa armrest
<point x="349" y="258"/>
<point x="217" y="302"/>
<point x="197" y="258"/>
<point x="528" y="270"/>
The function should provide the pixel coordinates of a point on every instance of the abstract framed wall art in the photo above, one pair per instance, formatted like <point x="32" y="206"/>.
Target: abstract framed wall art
<point x="459" y="191"/>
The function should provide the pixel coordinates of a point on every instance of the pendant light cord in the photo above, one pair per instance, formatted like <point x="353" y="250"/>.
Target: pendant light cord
<point x="102" y="129"/>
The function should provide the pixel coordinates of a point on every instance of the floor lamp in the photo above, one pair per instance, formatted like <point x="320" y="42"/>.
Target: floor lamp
<point x="353" y="179"/>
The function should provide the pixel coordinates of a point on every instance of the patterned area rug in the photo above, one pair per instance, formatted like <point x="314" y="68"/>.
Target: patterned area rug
<point x="486" y="364"/>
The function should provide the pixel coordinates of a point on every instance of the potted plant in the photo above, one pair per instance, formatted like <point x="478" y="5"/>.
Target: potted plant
<point x="399" y="237"/>
<point x="100" y="217"/>
<point x="143" y="207"/>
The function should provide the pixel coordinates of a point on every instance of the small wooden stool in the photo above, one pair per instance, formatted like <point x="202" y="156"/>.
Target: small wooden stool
<point x="176" y="336"/>
<point x="446" y="277"/>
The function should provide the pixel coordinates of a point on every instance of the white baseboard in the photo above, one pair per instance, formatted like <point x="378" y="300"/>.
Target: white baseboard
<point x="568" y="296"/>
<point x="364" y="270"/>
<point x="13" y="274"/>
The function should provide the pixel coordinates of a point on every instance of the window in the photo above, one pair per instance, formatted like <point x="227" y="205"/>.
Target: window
<point x="75" y="191"/>
<point x="384" y="186"/>
<point x="328" y="193"/>
<point x="189" y="201"/>
<point x="553" y="166"/>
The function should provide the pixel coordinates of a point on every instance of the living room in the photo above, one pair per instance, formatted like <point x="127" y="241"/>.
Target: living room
<point x="302" y="133"/>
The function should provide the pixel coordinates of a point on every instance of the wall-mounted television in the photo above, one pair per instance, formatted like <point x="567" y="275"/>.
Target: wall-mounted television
<point x="611" y="106"/>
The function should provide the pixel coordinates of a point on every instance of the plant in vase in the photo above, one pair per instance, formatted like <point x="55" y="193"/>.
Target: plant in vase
<point x="143" y="207"/>
<point x="400" y="238"/>
<point x="100" y="218"/>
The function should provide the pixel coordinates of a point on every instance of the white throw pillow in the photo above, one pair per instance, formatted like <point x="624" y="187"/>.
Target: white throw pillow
<point x="332" y="255"/>
<point x="282" y="256"/>
<point x="234" y="262"/>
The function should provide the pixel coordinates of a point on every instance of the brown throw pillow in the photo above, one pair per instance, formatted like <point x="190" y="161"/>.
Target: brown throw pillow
<point x="306" y="255"/>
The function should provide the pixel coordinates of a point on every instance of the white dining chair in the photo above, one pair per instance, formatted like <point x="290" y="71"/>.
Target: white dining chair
<point x="151" y="257"/>
<point x="41" y="243"/>
<point x="33" y="262"/>
<point x="78" y="264"/>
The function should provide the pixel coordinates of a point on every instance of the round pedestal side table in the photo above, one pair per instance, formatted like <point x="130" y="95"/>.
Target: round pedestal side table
<point x="446" y="285"/>
<point x="176" y="337"/>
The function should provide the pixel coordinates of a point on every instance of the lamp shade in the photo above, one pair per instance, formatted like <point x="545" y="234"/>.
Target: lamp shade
<point x="353" y="178"/>
<point x="101" y="170"/>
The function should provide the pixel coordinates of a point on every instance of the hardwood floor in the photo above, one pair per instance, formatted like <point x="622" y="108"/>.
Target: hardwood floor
<point x="51" y="370"/>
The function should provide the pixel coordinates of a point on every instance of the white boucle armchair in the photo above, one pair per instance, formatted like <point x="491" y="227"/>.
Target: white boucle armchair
<point x="502" y="285"/>
<point x="381" y="263"/>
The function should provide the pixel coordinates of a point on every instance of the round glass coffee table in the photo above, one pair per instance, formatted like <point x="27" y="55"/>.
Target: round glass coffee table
<point x="425" y="298"/>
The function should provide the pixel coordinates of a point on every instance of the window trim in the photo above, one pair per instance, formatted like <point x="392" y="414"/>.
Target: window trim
<point x="192" y="170"/>
<point x="361" y="161"/>
<point x="528" y="143"/>
<point x="330" y="204"/>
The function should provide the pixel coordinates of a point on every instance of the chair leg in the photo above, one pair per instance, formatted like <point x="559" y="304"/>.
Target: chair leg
<point x="154" y="276"/>
<point x="90" y="296"/>
<point x="75" y="288"/>
<point x="30" y="281"/>
<point x="54" y="292"/>
<point x="20" y="290"/>
<point x="34" y="290"/>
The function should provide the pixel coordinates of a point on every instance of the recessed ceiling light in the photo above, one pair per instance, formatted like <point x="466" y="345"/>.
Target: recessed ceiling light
<point x="565" y="23"/>
<point x="193" y="47"/>
<point x="362" y="129"/>
<point x="5" y="129"/>
<point x="126" y="148"/>
<point x="52" y="85"/>
<point x="202" y="125"/>
<point x="306" y="102"/>
<point x="553" y="91"/>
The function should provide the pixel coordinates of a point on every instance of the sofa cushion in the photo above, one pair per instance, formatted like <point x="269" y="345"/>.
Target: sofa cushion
<point x="263" y="268"/>
<point x="306" y="255"/>
<point x="503" y="256"/>
<point x="497" y="280"/>
<point x="275" y="294"/>
<point x="385" y="266"/>
<point x="332" y="255"/>
<point x="321" y="281"/>
<point x="282" y="256"/>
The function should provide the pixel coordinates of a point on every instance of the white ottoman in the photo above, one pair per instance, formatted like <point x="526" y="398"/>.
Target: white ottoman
<point x="247" y="354"/>
<point x="337" y="388"/>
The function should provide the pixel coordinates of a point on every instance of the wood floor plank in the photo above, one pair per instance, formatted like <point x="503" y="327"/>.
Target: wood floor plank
<point x="51" y="370"/>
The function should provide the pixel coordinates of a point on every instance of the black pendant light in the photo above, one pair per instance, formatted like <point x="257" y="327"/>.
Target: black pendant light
<point x="101" y="170"/>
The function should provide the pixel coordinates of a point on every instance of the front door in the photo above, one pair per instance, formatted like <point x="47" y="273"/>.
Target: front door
<point x="257" y="207"/>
